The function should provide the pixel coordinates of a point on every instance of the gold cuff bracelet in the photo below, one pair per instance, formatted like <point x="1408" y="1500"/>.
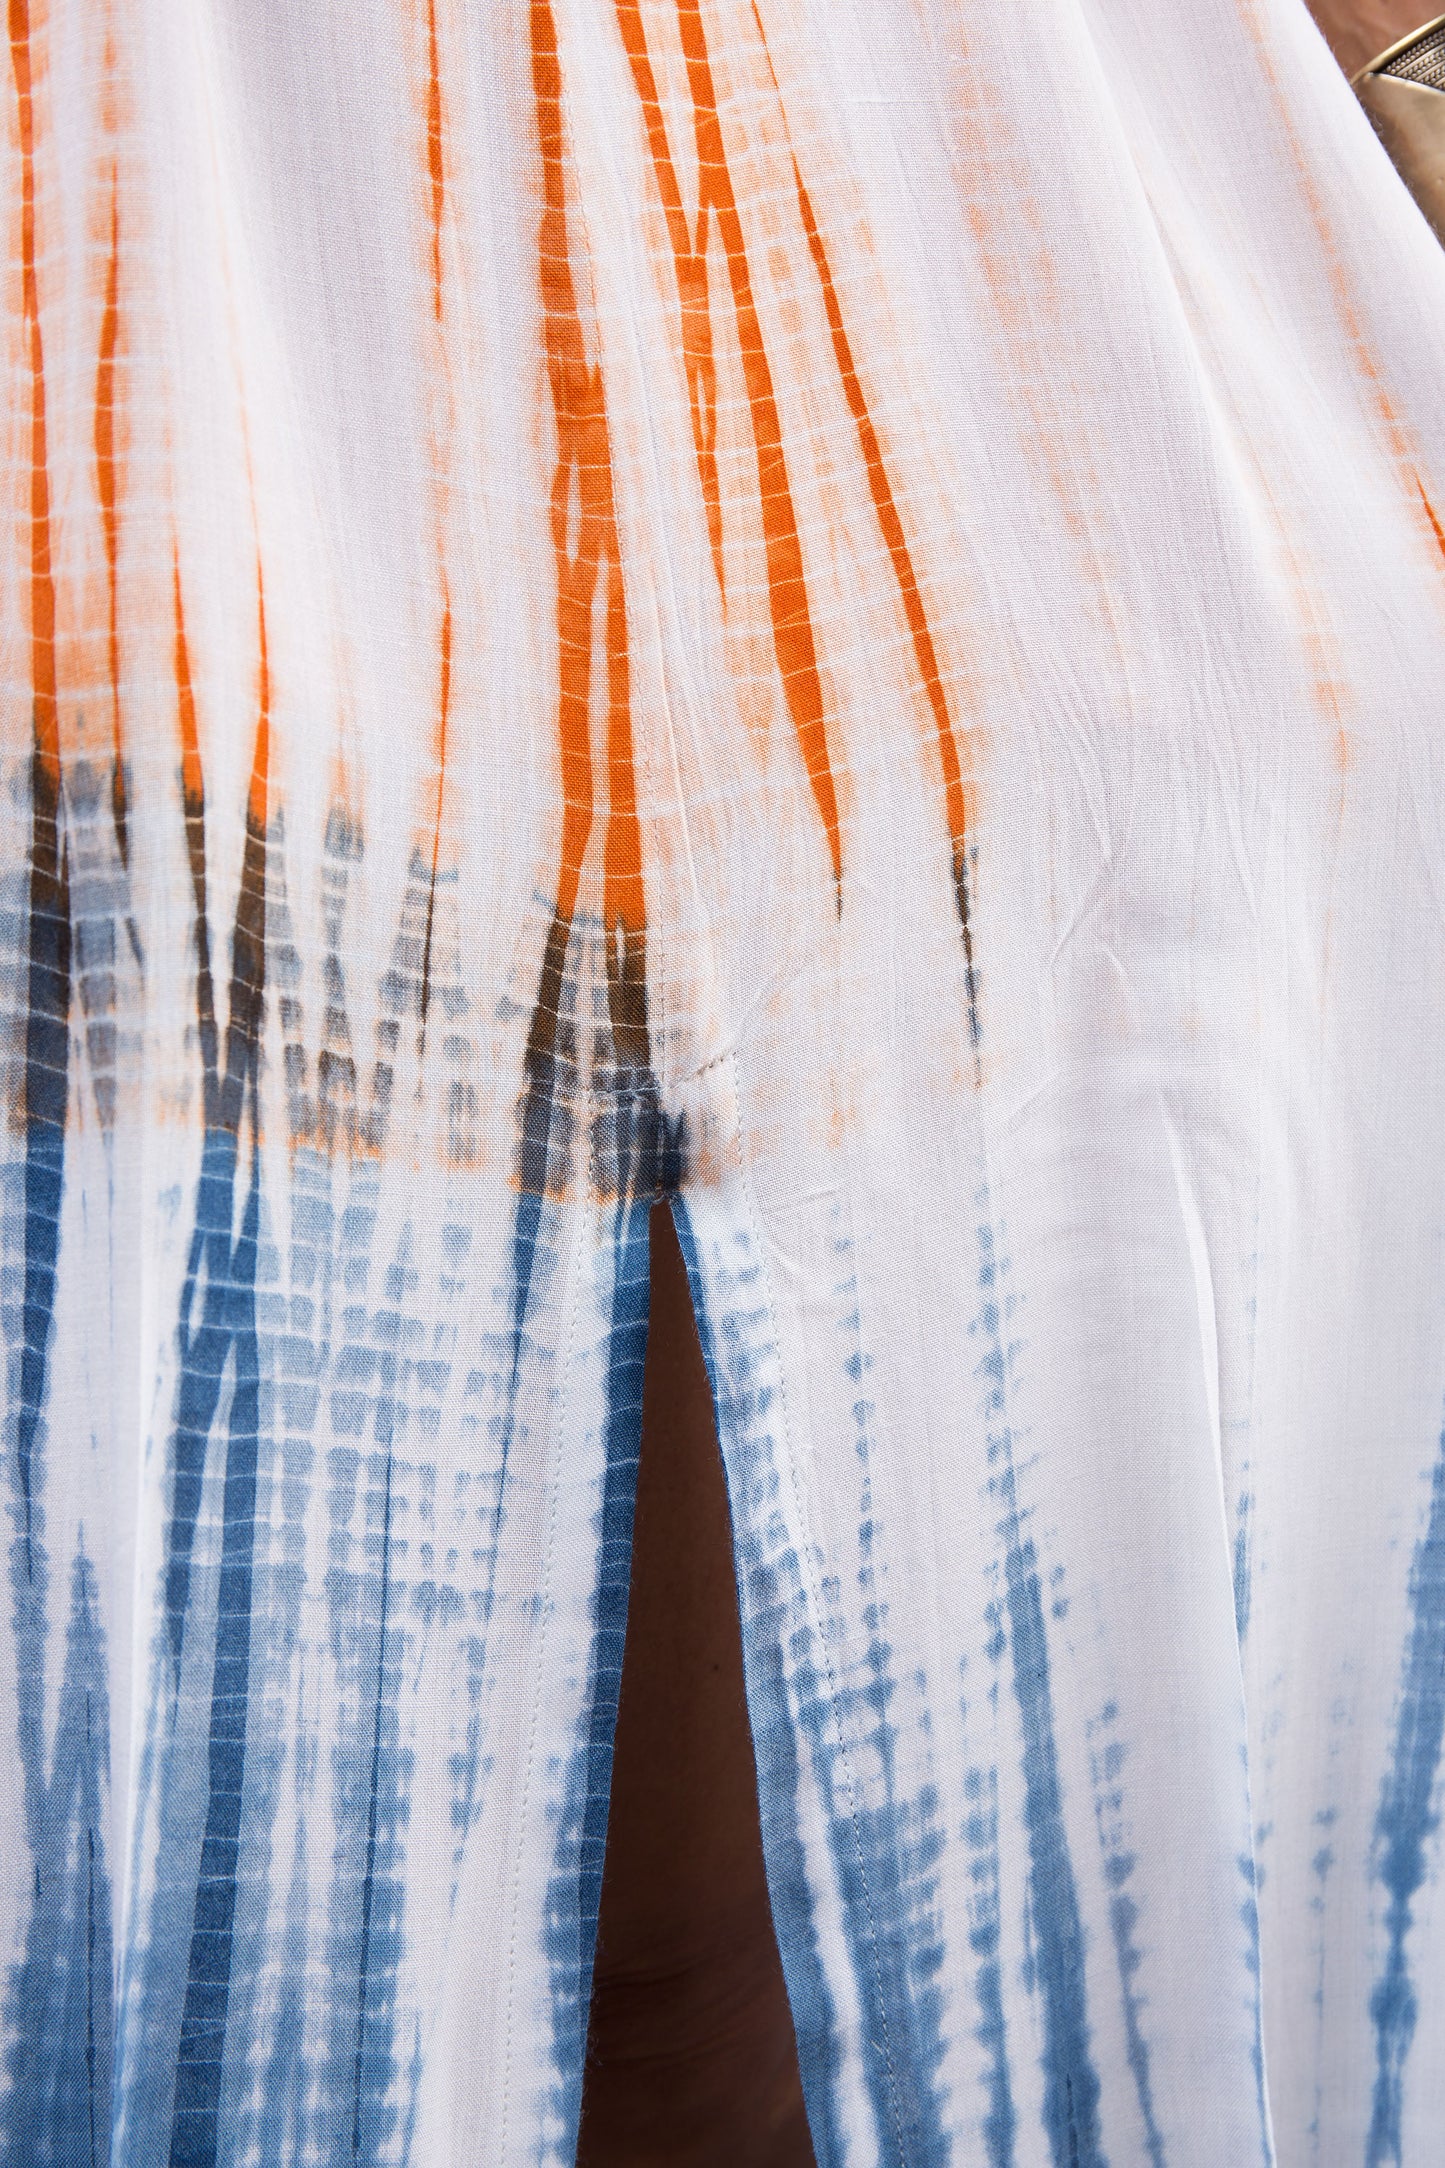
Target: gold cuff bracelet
<point x="1403" y="91"/>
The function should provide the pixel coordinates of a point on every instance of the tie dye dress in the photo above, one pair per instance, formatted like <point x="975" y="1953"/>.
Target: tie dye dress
<point x="833" y="612"/>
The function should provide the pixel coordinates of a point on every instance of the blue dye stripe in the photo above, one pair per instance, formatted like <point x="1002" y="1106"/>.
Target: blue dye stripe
<point x="200" y="2051"/>
<point x="353" y="2112"/>
<point x="1249" y="1920"/>
<point x="46" y="966"/>
<point x="58" y="2003"/>
<point x="980" y="1831"/>
<point x="547" y="1122"/>
<point x="226" y="1339"/>
<point x="1243" y="1585"/>
<point x="280" y="2123"/>
<point x="885" y="1856"/>
<point x="1071" y="2082"/>
<point x="765" y="1606"/>
<point x="878" y="1860"/>
<point x="58" y="2014"/>
<point x="47" y="1089"/>
<point x="371" y="2076"/>
<point x="354" y="2109"/>
<point x="575" y="1887"/>
<point x="1119" y="1865"/>
<point x="228" y="1313"/>
<point x="227" y="1317"/>
<point x="1405" y="1823"/>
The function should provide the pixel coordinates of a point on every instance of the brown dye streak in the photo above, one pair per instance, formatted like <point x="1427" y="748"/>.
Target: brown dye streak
<point x="588" y="557"/>
<point x="793" y="640"/>
<point x="248" y="940"/>
<point x="443" y="716"/>
<point x="689" y="255"/>
<point x="623" y="897"/>
<point x="48" y="903"/>
<point x="193" y="800"/>
<point x="105" y="464"/>
<point x="224" y="1095"/>
<point x="1435" y="526"/>
<point x="45" y="711"/>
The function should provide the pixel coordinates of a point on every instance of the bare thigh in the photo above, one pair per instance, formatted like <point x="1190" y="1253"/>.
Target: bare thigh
<point x="691" y="2059"/>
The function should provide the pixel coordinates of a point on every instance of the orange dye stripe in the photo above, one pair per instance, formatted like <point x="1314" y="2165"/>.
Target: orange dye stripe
<point x="584" y="535"/>
<point x="690" y="268"/>
<point x="787" y="592"/>
<point x="434" y="154"/>
<point x="437" y="170"/>
<point x="1335" y="268"/>
<point x="193" y="799"/>
<point x="105" y="482"/>
<point x="891" y="524"/>
<point x="192" y="781"/>
<point x="42" y="578"/>
<point x="257" y="805"/>
<point x="444" y="703"/>
<point x="567" y="372"/>
<point x="623" y="898"/>
<point x="193" y="789"/>
<point x="1430" y="514"/>
<point x="445" y="700"/>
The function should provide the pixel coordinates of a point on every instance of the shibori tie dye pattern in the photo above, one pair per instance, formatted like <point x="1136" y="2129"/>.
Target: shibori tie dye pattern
<point x="836" y="615"/>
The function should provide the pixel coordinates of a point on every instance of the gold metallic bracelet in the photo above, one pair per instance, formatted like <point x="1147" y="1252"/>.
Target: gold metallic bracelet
<point x="1403" y="91"/>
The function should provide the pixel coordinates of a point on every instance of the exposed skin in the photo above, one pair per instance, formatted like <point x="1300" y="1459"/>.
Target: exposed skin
<point x="691" y="2060"/>
<point x="1358" y="29"/>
